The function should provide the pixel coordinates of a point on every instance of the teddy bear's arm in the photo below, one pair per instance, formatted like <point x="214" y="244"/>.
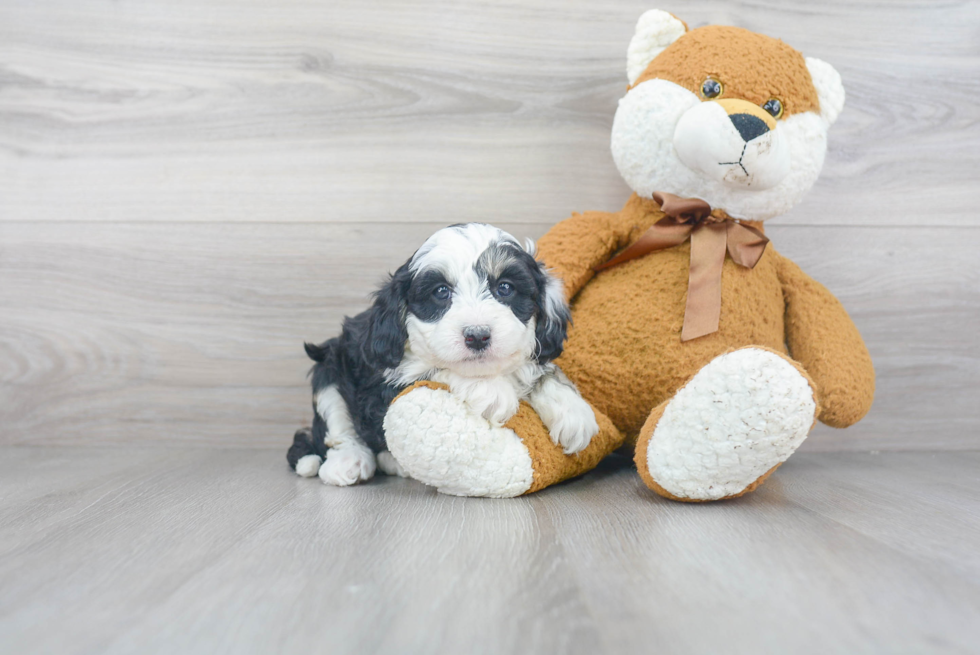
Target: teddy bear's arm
<point x="822" y="337"/>
<point x="575" y="246"/>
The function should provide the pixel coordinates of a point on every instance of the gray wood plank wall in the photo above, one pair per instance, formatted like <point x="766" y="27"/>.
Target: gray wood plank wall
<point x="190" y="189"/>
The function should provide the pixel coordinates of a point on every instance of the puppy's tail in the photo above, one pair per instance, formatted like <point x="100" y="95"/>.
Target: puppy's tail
<point x="317" y="353"/>
<point x="303" y="456"/>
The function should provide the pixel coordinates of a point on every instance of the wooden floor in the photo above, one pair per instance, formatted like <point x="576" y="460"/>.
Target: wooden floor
<point x="188" y="190"/>
<point x="155" y="550"/>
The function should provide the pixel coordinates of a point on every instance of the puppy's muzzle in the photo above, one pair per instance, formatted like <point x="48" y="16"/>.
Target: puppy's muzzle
<point x="477" y="337"/>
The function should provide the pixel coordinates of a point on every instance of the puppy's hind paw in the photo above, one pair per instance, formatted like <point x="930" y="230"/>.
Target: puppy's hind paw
<point x="308" y="465"/>
<point x="347" y="466"/>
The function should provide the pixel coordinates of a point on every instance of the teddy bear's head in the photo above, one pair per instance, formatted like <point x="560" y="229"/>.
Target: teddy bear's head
<point x="723" y="114"/>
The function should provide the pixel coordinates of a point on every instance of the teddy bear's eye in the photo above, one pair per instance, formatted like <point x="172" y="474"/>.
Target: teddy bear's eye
<point x="774" y="107"/>
<point x="711" y="88"/>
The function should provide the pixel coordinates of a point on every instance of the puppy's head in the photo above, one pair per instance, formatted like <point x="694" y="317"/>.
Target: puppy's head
<point x="470" y="300"/>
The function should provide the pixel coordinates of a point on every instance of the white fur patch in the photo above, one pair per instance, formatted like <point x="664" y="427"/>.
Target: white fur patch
<point x="348" y="465"/>
<point x="454" y="250"/>
<point x="655" y="30"/>
<point x="308" y="465"/>
<point x="390" y="466"/>
<point x="349" y="460"/>
<point x="332" y="408"/>
<point x="742" y="414"/>
<point x="555" y="303"/>
<point x="830" y="88"/>
<point x="569" y="419"/>
<point x="440" y="441"/>
<point x="644" y="151"/>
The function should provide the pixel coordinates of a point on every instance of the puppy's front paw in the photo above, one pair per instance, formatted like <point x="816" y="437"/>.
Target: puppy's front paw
<point x="347" y="466"/>
<point x="501" y="410"/>
<point x="573" y="425"/>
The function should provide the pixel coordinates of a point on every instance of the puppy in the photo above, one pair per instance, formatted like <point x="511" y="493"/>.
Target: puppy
<point x="471" y="309"/>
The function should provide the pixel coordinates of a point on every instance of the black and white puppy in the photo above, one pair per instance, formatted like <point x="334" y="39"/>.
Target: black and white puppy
<point x="471" y="309"/>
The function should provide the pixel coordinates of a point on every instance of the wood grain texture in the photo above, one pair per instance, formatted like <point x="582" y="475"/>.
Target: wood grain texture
<point x="190" y="189"/>
<point x="122" y="550"/>
<point x="137" y="332"/>
<point x="380" y="111"/>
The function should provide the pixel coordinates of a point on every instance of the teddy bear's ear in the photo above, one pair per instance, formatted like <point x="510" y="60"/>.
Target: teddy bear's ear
<point x="655" y="30"/>
<point x="830" y="89"/>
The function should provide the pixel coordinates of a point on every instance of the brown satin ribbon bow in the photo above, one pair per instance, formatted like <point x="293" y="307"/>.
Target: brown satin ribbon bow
<point x="711" y="234"/>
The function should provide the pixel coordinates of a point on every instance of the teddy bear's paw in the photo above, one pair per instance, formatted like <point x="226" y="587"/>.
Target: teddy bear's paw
<point x="738" y="418"/>
<point x="439" y="440"/>
<point x="347" y="465"/>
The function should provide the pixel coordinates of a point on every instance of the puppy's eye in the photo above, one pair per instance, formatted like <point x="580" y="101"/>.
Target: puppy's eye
<point x="442" y="292"/>
<point x="774" y="107"/>
<point x="711" y="88"/>
<point x="505" y="289"/>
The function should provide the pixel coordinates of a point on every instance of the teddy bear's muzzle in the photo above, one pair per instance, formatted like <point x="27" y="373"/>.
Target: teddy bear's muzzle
<point x="734" y="142"/>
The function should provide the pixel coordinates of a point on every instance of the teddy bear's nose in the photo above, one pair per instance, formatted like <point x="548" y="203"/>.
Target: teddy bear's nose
<point x="748" y="126"/>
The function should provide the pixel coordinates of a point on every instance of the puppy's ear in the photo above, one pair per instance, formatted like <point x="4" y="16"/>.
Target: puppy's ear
<point x="386" y="333"/>
<point x="553" y="317"/>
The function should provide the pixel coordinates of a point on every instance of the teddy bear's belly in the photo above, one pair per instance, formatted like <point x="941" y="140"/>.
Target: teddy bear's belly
<point x="624" y="349"/>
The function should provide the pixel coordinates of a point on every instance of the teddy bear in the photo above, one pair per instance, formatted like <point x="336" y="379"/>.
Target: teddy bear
<point x="703" y="352"/>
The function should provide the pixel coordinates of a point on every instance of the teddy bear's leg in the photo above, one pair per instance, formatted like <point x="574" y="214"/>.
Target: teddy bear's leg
<point x="437" y="439"/>
<point x="728" y="428"/>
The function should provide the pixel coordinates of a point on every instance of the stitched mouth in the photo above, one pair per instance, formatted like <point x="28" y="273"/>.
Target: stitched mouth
<point x="737" y="163"/>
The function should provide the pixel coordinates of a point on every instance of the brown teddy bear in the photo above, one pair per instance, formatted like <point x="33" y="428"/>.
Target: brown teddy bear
<point x="696" y="343"/>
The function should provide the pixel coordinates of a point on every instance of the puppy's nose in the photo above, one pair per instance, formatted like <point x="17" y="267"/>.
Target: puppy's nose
<point x="749" y="126"/>
<point x="477" y="337"/>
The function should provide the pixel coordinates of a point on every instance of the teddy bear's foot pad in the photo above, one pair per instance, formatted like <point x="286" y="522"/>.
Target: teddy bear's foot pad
<point x="437" y="439"/>
<point x="739" y="417"/>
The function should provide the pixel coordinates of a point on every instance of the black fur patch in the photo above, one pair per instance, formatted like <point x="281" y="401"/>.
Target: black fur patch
<point x="355" y="361"/>
<point x="421" y="301"/>
<point x="507" y="262"/>
<point x="305" y="444"/>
